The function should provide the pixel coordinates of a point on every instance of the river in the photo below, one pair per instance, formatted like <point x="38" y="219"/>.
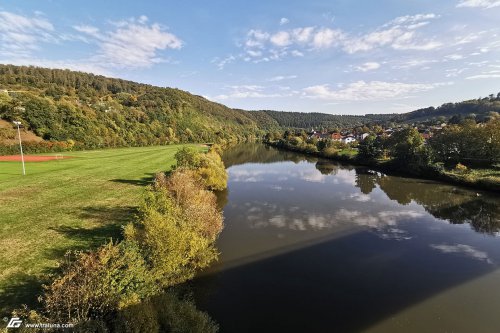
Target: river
<point x="311" y="245"/>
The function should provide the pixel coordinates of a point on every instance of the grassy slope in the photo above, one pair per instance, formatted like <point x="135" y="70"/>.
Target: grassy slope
<point x="66" y="204"/>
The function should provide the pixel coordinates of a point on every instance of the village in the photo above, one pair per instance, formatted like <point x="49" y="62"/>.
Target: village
<point x="360" y="133"/>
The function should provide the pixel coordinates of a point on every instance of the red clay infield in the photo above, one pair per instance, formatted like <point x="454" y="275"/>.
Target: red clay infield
<point x="33" y="158"/>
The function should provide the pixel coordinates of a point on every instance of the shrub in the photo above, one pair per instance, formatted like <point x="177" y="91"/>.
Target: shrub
<point x="311" y="148"/>
<point x="208" y="166"/>
<point x="330" y="152"/>
<point x="212" y="171"/>
<point x="460" y="168"/>
<point x="95" y="283"/>
<point x="188" y="157"/>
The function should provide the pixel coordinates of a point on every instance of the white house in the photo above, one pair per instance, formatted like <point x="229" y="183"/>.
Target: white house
<point x="363" y="136"/>
<point x="348" y="139"/>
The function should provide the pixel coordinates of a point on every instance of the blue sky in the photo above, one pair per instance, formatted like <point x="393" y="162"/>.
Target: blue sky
<point x="333" y="56"/>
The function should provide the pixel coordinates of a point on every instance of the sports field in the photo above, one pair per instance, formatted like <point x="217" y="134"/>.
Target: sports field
<point x="66" y="204"/>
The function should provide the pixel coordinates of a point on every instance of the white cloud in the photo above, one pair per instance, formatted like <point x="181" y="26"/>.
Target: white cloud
<point x="325" y="38"/>
<point x="484" y="76"/>
<point x="268" y="46"/>
<point x="21" y="35"/>
<point x="463" y="249"/>
<point x="368" y="66"/>
<point x="454" y="72"/>
<point x="253" y="91"/>
<point x="221" y="63"/>
<point x="360" y="197"/>
<point x="414" y="63"/>
<point x="303" y="35"/>
<point x="284" y="21"/>
<point x="399" y="34"/>
<point x="132" y="44"/>
<point x="454" y="57"/>
<point x="87" y="29"/>
<point x="281" y="78"/>
<point x="367" y="91"/>
<point x="479" y="3"/>
<point x="281" y="38"/>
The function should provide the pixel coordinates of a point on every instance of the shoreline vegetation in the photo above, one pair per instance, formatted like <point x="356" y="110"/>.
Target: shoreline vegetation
<point x="131" y="285"/>
<point x="466" y="154"/>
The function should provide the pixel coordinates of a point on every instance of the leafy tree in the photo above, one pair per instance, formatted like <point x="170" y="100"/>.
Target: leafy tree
<point x="407" y="148"/>
<point x="369" y="149"/>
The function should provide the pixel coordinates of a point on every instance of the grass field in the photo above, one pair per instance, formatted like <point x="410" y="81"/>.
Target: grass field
<point x="64" y="205"/>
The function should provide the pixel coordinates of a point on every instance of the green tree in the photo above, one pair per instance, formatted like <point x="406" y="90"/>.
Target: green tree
<point x="407" y="148"/>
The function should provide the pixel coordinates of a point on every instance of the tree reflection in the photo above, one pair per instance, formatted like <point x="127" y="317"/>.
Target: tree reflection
<point x="259" y="153"/>
<point x="327" y="167"/>
<point x="445" y="202"/>
<point x="366" y="179"/>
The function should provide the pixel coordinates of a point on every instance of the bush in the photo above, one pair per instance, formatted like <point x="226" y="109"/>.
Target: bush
<point x="95" y="283"/>
<point x="460" y="168"/>
<point x="330" y="152"/>
<point x="176" y="237"/>
<point x="208" y="166"/>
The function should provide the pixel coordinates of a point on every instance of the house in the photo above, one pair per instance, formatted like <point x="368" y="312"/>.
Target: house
<point x="363" y="136"/>
<point x="348" y="139"/>
<point x="336" y="136"/>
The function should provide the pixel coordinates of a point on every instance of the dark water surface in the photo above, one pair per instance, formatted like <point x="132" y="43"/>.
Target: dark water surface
<point x="314" y="246"/>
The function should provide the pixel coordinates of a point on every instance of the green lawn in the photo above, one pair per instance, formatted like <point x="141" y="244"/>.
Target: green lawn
<point x="67" y="204"/>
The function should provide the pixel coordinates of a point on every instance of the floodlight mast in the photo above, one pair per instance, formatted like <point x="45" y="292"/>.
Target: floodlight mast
<point x="18" y="123"/>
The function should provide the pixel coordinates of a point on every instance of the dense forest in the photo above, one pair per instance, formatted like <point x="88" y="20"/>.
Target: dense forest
<point x="478" y="109"/>
<point x="315" y="120"/>
<point x="90" y="111"/>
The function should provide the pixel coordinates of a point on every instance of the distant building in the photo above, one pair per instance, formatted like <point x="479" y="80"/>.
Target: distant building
<point x="348" y="139"/>
<point x="336" y="136"/>
<point x="363" y="136"/>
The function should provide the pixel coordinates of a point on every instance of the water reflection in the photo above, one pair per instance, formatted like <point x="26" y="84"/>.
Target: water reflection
<point x="443" y="201"/>
<point x="315" y="246"/>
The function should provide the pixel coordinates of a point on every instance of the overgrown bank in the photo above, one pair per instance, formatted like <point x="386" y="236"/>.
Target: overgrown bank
<point x="127" y="286"/>
<point x="466" y="154"/>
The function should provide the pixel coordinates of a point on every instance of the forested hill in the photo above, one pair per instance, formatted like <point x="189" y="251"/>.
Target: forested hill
<point x="94" y="111"/>
<point x="315" y="120"/>
<point x="479" y="109"/>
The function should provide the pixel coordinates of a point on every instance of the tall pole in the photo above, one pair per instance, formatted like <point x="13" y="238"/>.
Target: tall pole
<point x="20" y="146"/>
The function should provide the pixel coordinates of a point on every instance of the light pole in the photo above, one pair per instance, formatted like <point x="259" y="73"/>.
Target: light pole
<point x="20" y="144"/>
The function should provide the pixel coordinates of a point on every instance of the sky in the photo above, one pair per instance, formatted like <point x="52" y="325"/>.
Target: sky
<point x="331" y="56"/>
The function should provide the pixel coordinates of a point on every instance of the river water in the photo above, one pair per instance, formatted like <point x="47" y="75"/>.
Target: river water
<point x="311" y="245"/>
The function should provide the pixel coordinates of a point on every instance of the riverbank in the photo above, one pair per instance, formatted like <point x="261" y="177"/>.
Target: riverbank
<point x="481" y="179"/>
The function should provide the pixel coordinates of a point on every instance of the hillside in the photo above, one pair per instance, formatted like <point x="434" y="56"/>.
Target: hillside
<point x="8" y="134"/>
<point x="92" y="111"/>
<point x="480" y="109"/>
<point x="62" y="109"/>
<point x="310" y="120"/>
<point x="477" y="108"/>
